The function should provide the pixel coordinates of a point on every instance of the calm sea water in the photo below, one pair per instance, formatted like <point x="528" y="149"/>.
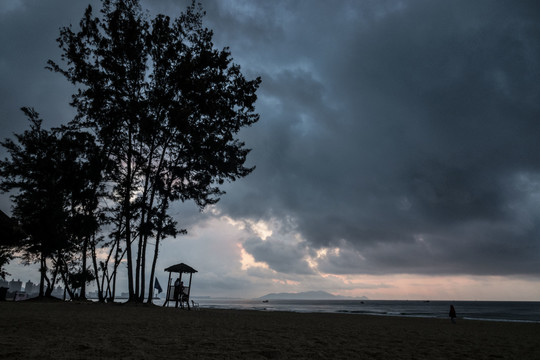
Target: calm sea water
<point x="473" y="310"/>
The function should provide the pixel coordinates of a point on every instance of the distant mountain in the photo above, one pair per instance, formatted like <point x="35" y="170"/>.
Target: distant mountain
<point x="309" y="295"/>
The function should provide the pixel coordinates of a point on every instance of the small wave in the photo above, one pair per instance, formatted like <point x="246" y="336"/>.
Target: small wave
<point x="369" y="312"/>
<point x="502" y="320"/>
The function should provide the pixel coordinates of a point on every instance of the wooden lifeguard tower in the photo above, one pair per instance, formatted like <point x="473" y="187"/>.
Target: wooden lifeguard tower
<point x="180" y="295"/>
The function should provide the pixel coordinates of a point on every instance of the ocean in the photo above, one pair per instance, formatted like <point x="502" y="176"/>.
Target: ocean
<point x="515" y="311"/>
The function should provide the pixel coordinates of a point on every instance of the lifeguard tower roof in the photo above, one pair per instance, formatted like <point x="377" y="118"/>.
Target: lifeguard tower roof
<point x="181" y="268"/>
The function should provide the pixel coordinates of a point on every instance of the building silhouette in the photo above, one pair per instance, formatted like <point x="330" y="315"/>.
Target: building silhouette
<point x="30" y="288"/>
<point x="15" y="285"/>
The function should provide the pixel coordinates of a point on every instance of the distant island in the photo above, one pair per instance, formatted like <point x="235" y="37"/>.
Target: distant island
<point x="308" y="295"/>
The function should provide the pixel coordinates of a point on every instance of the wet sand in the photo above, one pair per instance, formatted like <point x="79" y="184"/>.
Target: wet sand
<point x="33" y="330"/>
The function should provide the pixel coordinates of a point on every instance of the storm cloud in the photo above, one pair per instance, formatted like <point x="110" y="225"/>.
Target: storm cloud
<point x="404" y="133"/>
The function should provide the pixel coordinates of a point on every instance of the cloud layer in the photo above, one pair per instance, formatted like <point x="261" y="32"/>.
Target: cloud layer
<point x="395" y="137"/>
<point x="404" y="134"/>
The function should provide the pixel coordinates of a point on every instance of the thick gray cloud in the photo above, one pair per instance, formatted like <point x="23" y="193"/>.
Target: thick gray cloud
<point x="403" y="133"/>
<point x="284" y="257"/>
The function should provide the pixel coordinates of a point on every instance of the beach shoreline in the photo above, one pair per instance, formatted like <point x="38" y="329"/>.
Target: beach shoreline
<point x="31" y="330"/>
<point x="508" y="311"/>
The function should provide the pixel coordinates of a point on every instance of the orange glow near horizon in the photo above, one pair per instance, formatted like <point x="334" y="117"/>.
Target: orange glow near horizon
<point x="418" y="287"/>
<point x="384" y="287"/>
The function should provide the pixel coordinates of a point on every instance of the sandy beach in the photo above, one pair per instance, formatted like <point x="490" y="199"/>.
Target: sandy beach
<point x="34" y="330"/>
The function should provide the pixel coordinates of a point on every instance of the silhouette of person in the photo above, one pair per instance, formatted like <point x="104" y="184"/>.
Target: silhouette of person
<point x="452" y="314"/>
<point x="178" y="290"/>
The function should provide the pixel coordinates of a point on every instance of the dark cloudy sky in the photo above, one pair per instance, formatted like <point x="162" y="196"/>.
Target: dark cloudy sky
<point x="398" y="151"/>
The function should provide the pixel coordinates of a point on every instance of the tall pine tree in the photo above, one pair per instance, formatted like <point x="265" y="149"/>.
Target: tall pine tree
<point x="165" y="107"/>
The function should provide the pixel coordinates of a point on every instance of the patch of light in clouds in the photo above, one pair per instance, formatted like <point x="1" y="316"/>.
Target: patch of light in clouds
<point x="248" y="261"/>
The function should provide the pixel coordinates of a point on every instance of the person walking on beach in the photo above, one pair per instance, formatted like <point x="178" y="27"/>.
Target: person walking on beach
<point x="452" y="314"/>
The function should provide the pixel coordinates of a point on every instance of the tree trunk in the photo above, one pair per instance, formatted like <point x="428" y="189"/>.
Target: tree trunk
<point x="82" y="295"/>
<point x="162" y="214"/>
<point x="115" y="267"/>
<point x="143" y="272"/>
<point x="127" y="216"/>
<point x="67" y="288"/>
<point x="146" y="215"/>
<point x="153" y="270"/>
<point x="96" y="269"/>
<point x="42" y="270"/>
<point x="111" y="279"/>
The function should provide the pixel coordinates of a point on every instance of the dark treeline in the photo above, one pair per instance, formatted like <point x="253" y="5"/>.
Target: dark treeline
<point x="157" y="112"/>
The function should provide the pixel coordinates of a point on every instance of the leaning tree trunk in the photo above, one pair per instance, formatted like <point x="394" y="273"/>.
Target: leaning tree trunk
<point x="96" y="269"/>
<point x="42" y="270"/>
<point x="82" y="295"/>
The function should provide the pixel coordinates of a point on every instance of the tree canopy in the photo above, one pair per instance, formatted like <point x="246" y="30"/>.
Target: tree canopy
<point x="49" y="168"/>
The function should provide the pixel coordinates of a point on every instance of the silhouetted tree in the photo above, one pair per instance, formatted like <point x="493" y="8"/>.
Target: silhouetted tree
<point x="10" y="236"/>
<point x="50" y="172"/>
<point x="84" y="189"/>
<point x="38" y="204"/>
<point x="165" y="106"/>
<point x="6" y="255"/>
